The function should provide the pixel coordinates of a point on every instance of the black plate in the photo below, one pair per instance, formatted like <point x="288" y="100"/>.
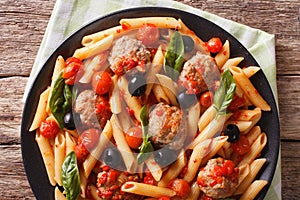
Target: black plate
<point x="205" y="29"/>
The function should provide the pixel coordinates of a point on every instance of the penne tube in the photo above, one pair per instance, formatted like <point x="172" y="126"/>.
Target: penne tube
<point x="250" y="71"/>
<point x="206" y="118"/>
<point x="253" y="134"/>
<point x="159" y="22"/>
<point x="58" y="195"/>
<point x="40" y="114"/>
<point x="222" y="57"/>
<point x="121" y="143"/>
<point x="83" y="183"/>
<point x="253" y="190"/>
<point x="199" y="152"/>
<point x="249" y="90"/>
<point x="174" y="170"/>
<point x="232" y="62"/>
<point x="146" y="189"/>
<point x="193" y="117"/>
<point x="124" y="119"/>
<point x="244" y="171"/>
<point x="47" y="155"/>
<point x="94" y="49"/>
<point x="156" y="66"/>
<point x="210" y="130"/>
<point x="242" y="125"/>
<point x="132" y="102"/>
<point x="115" y="99"/>
<point x="216" y="144"/>
<point x="59" y="155"/>
<point x="160" y="94"/>
<point x="255" y="167"/>
<point x="94" y="192"/>
<point x="255" y="149"/>
<point x="70" y="142"/>
<point x="92" y="65"/>
<point x="168" y="87"/>
<point x="154" y="168"/>
<point x="92" y="158"/>
<point x="245" y="115"/>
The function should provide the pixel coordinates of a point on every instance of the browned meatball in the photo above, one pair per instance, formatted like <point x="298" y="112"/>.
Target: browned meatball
<point x="218" y="178"/>
<point x="128" y="53"/>
<point x="199" y="74"/>
<point x="167" y="126"/>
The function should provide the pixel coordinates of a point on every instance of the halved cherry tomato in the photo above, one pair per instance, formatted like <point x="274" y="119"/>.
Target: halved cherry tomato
<point x="214" y="45"/>
<point x="81" y="152"/>
<point x="180" y="186"/>
<point x="148" y="34"/>
<point x="89" y="138"/>
<point x="71" y="71"/>
<point x="148" y="179"/>
<point x="206" y="98"/>
<point x="101" y="82"/>
<point x="134" y="137"/>
<point x="242" y="146"/>
<point x="49" y="128"/>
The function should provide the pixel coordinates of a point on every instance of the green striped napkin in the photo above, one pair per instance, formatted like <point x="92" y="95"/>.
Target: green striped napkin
<point x="69" y="15"/>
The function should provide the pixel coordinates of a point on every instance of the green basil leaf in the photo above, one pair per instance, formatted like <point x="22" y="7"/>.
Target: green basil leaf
<point x="68" y="98"/>
<point x="146" y="147"/>
<point x="57" y="100"/>
<point x="224" y="95"/>
<point x="70" y="177"/>
<point x="174" y="57"/>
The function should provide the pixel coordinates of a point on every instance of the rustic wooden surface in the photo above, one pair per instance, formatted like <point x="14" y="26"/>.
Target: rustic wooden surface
<point x="23" y="23"/>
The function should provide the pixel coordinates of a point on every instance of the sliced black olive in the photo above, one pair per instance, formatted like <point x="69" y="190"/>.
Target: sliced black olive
<point x="188" y="43"/>
<point x="186" y="100"/>
<point x="165" y="156"/>
<point x="233" y="133"/>
<point x="137" y="85"/>
<point x="70" y="120"/>
<point x="112" y="157"/>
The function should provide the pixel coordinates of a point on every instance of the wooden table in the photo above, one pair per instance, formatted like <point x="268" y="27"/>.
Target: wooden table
<point x="22" y="26"/>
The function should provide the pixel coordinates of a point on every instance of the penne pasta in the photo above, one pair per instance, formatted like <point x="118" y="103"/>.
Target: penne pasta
<point x="159" y="22"/>
<point x="59" y="155"/>
<point x="253" y="190"/>
<point x="168" y="88"/>
<point x="94" y="192"/>
<point x="194" y="193"/>
<point x="154" y="168"/>
<point x="40" y="114"/>
<point x="94" y="49"/>
<point x="232" y="62"/>
<point x="115" y="99"/>
<point x="253" y="134"/>
<point x="249" y="89"/>
<point x="193" y="116"/>
<point x="70" y="142"/>
<point x="250" y="71"/>
<point x="58" y="195"/>
<point x="206" y="118"/>
<point x="222" y="57"/>
<point x="160" y="94"/>
<point x="147" y="190"/>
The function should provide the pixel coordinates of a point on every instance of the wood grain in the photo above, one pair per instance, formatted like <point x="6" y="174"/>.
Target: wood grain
<point x="23" y="23"/>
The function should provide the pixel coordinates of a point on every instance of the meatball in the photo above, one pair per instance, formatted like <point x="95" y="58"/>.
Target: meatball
<point x="93" y="109"/>
<point x="199" y="74"/>
<point x="218" y="178"/>
<point x="109" y="183"/>
<point x="128" y="53"/>
<point x="167" y="126"/>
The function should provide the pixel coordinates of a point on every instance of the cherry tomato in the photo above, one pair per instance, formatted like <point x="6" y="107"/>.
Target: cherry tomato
<point x="237" y="102"/>
<point x="71" y="71"/>
<point x="81" y="152"/>
<point x="214" y="45"/>
<point x="148" y="179"/>
<point x="206" y="98"/>
<point x="148" y="34"/>
<point x="180" y="186"/>
<point x="134" y="137"/>
<point x="49" y="128"/>
<point x="101" y="82"/>
<point x="89" y="138"/>
<point x="242" y="146"/>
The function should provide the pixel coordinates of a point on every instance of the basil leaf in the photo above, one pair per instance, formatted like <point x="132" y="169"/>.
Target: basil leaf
<point x="174" y="57"/>
<point x="57" y="100"/>
<point x="146" y="147"/>
<point x="225" y="93"/>
<point x="60" y="100"/>
<point x="70" y="177"/>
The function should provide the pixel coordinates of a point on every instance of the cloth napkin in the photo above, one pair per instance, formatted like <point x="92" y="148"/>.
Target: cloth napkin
<point x="69" y="15"/>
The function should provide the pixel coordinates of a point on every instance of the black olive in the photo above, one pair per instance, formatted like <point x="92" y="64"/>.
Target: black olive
<point x="112" y="157"/>
<point x="137" y="85"/>
<point x="165" y="156"/>
<point x="70" y="119"/>
<point x="188" y="43"/>
<point x="233" y="133"/>
<point x="186" y="100"/>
